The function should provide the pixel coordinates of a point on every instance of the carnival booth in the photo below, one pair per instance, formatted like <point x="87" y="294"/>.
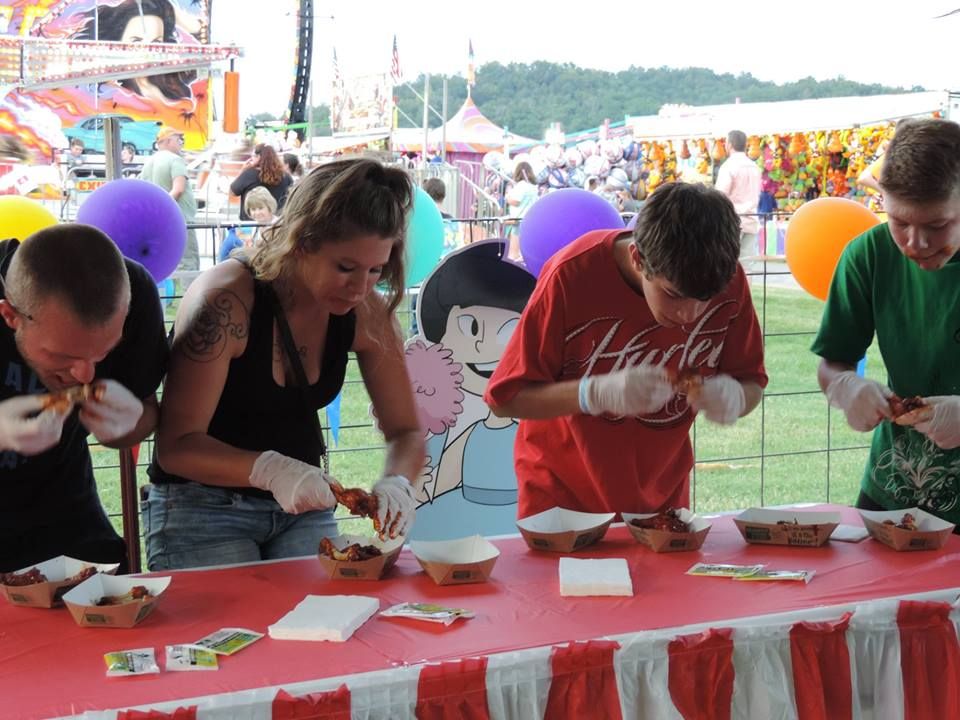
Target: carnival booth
<point x="806" y="149"/>
<point x="465" y="138"/>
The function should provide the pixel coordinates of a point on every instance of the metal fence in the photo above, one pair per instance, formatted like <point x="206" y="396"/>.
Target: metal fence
<point x="763" y="453"/>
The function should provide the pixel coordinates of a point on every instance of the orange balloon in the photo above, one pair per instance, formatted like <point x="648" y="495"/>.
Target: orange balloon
<point x="816" y="236"/>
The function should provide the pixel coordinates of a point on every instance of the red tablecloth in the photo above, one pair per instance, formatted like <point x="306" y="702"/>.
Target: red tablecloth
<point x="49" y="666"/>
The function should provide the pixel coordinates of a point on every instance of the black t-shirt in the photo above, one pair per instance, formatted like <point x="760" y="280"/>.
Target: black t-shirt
<point x="40" y="489"/>
<point x="249" y="179"/>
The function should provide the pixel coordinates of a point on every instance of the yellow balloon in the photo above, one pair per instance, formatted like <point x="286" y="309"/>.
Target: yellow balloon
<point x="21" y="217"/>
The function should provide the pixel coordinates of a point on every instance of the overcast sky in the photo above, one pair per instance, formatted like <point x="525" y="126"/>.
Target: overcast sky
<point x="902" y="45"/>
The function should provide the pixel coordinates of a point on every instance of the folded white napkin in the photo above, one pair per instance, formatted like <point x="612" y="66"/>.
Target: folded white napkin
<point x="325" y="617"/>
<point x="849" y="533"/>
<point x="595" y="577"/>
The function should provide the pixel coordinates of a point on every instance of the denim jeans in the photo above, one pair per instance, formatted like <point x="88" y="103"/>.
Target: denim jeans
<point x="195" y="525"/>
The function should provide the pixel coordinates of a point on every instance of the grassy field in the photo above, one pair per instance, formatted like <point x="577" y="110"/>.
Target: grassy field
<point x="778" y="454"/>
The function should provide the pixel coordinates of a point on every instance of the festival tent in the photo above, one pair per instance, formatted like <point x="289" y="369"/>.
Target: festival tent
<point x="468" y="132"/>
<point x="786" y="116"/>
<point x="467" y="137"/>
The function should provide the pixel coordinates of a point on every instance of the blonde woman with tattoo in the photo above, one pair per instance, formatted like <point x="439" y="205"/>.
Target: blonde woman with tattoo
<point x="260" y="345"/>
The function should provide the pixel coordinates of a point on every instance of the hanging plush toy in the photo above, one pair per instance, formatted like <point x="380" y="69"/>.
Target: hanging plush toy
<point x="719" y="150"/>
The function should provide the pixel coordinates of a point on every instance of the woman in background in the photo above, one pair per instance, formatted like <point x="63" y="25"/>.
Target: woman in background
<point x="522" y="194"/>
<point x="263" y="169"/>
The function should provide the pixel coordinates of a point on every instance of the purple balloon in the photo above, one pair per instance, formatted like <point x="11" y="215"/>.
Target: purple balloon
<point x="142" y="219"/>
<point x="560" y="217"/>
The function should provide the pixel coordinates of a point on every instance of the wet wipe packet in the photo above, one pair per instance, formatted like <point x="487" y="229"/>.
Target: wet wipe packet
<point x="121" y="663"/>
<point x="722" y="570"/>
<point x="227" y="641"/>
<point x="190" y="657"/>
<point x="428" y="612"/>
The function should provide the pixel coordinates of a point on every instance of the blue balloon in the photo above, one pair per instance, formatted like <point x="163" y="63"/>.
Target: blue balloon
<point x="425" y="234"/>
<point x="560" y="217"/>
<point x="142" y="219"/>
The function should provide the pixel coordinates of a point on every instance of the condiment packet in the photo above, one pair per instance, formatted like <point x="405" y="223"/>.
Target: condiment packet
<point x="428" y="612"/>
<point x="794" y="575"/>
<point x="227" y="641"/>
<point x="121" y="663"/>
<point x="190" y="657"/>
<point x="721" y="570"/>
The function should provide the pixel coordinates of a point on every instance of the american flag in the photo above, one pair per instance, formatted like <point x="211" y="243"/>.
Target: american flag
<point x="471" y="75"/>
<point x="395" y="74"/>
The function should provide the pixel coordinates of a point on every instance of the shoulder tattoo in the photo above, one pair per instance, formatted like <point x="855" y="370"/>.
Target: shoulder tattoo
<point x="218" y="317"/>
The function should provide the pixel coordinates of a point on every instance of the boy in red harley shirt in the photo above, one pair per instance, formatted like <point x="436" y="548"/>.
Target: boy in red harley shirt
<point x="613" y="318"/>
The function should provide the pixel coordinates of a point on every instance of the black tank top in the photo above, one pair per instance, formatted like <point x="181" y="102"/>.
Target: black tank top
<point x="254" y="413"/>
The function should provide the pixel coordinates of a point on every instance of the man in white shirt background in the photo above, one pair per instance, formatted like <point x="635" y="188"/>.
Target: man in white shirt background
<point x="739" y="179"/>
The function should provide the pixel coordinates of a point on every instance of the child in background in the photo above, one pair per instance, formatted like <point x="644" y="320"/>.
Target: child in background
<point x="260" y="206"/>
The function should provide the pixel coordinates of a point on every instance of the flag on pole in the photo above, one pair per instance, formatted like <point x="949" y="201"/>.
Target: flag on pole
<point x="395" y="73"/>
<point x="471" y="75"/>
<point x="337" y="77"/>
<point x="336" y="103"/>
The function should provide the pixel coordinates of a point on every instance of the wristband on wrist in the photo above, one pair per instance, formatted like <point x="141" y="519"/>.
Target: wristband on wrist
<point x="582" y="395"/>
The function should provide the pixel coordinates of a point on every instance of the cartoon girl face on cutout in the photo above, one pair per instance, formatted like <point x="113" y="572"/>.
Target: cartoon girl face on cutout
<point x="471" y="304"/>
<point x="478" y="335"/>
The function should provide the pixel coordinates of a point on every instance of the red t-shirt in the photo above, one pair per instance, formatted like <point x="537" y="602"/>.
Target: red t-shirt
<point x="583" y="318"/>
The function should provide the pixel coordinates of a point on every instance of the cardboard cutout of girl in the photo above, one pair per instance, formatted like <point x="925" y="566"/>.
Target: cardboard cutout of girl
<point x="467" y="310"/>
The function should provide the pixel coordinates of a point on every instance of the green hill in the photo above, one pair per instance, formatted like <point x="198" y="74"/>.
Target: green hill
<point x="527" y="98"/>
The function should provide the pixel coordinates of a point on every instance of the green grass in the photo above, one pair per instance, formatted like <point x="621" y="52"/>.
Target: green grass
<point x="776" y="455"/>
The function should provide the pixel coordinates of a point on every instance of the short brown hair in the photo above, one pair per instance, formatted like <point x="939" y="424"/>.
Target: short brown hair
<point x="737" y="140"/>
<point x="75" y="264"/>
<point x="689" y="234"/>
<point x="922" y="162"/>
<point x="260" y="197"/>
<point x="334" y="203"/>
<point x="435" y="188"/>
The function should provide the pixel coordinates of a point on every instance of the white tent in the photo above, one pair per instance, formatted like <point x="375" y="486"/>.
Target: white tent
<point x="679" y="121"/>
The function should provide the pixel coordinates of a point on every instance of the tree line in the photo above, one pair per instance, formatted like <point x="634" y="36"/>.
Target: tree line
<point x="527" y="98"/>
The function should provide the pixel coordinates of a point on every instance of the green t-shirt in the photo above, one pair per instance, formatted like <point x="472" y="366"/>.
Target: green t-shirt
<point x="915" y="314"/>
<point x="160" y="169"/>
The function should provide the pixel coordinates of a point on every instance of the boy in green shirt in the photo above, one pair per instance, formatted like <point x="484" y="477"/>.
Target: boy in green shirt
<point x="901" y="281"/>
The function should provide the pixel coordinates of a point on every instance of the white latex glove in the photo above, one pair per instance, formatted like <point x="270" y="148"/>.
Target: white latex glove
<point x="944" y="426"/>
<point x="720" y="398"/>
<point x="636" y="390"/>
<point x="396" y="505"/>
<point x="114" y="415"/>
<point x="864" y="402"/>
<point x="296" y="485"/>
<point x="25" y="431"/>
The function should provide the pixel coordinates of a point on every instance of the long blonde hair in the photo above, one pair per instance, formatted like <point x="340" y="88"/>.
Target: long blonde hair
<point x="337" y="202"/>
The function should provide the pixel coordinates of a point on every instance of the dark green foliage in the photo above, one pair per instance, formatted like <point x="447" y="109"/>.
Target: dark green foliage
<point x="527" y="98"/>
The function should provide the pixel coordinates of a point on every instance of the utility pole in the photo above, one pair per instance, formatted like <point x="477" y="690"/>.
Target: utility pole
<point x="443" y="137"/>
<point x="426" y="118"/>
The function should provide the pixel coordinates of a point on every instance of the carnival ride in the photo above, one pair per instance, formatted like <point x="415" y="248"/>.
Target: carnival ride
<point x="300" y="94"/>
<point x="28" y="63"/>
